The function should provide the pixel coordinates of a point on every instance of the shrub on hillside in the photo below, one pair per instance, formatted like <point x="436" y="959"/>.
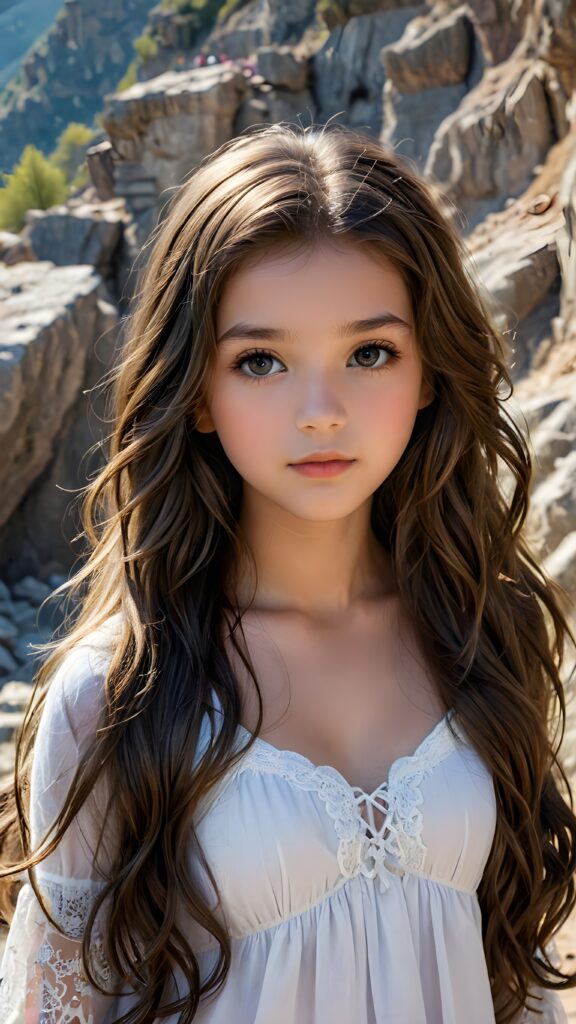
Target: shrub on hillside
<point x="35" y="184"/>
<point x="146" y="47"/>
<point x="70" y="152"/>
<point x="130" y="78"/>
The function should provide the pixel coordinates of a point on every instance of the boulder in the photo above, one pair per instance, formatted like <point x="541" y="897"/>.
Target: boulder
<point x="432" y="52"/>
<point x="52" y="317"/>
<point x="82" y="233"/>
<point x="260" y="23"/>
<point x="270" y="105"/>
<point x="168" y="124"/>
<point x="100" y="163"/>
<point x="279" y="66"/>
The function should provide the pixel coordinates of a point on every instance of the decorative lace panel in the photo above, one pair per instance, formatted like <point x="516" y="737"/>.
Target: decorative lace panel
<point x="393" y="846"/>
<point x="42" y="977"/>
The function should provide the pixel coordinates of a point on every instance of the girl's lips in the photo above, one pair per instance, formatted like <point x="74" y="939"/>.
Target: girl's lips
<point x="321" y="469"/>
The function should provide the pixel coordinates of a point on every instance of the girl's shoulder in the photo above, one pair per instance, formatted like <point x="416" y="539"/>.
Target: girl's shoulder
<point x="75" y="688"/>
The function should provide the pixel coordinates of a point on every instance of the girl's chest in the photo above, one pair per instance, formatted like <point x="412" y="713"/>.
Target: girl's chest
<point x="355" y="698"/>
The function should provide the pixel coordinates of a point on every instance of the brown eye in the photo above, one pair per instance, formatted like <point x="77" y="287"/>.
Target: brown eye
<point x="369" y="348"/>
<point x="378" y="348"/>
<point x="256" y="359"/>
<point x="256" y="362"/>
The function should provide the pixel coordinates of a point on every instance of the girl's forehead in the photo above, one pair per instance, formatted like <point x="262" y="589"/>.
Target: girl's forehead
<point x="333" y="281"/>
<point x="330" y="252"/>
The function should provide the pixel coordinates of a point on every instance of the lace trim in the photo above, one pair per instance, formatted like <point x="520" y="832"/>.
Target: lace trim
<point x="395" y="846"/>
<point x="41" y="967"/>
<point x="70" y="904"/>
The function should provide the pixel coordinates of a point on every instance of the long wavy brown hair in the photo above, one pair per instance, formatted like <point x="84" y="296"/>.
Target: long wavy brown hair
<point x="161" y="523"/>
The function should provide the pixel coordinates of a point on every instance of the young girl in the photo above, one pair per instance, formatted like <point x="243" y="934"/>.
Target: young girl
<point x="353" y="815"/>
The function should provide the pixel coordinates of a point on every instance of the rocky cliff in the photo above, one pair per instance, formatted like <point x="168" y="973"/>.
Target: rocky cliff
<point x="65" y="77"/>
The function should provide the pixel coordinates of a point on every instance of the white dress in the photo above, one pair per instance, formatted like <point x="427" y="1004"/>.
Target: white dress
<point x="332" y="921"/>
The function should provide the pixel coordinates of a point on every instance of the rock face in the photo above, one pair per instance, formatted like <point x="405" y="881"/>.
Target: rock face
<point x="83" y="233"/>
<point x="488" y="147"/>
<point x="347" y="72"/>
<point x="429" y="71"/>
<point x="52" y="318"/>
<point x="66" y="77"/>
<point x="163" y="127"/>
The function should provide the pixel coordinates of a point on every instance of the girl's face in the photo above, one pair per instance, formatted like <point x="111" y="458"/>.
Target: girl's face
<point x="323" y="381"/>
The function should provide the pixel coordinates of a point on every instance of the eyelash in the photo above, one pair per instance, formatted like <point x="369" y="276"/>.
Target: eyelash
<point x="382" y="346"/>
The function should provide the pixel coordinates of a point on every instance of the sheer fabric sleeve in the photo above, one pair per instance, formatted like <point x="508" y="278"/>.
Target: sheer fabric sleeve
<point x="42" y="979"/>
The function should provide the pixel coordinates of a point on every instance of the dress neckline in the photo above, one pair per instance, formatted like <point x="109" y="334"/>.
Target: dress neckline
<point x="403" y="761"/>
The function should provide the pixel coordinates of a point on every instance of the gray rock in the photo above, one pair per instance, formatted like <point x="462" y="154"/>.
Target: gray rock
<point x="27" y="619"/>
<point x="87" y="233"/>
<point x="19" y="611"/>
<point x="32" y="590"/>
<point x="25" y="672"/>
<point x="432" y="52"/>
<point x="168" y="124"/>
<point x="555" y="436"/>
<point x="50" y="412"/>
<point x="14" y="249"/>
<point x="7" y="629"/>
<point x="347" y="73"/>
<point x="7" y="662"/>
<point x="47" y="316"/>
<point x="487" y="149"/>
<point x="272" y="106"/>
<point x="23" y="647"/>
<point x="4" y="592"/>
<point x="56" y="579"/>
<point x="412" y="119"/>
<point x="279" y="66"/>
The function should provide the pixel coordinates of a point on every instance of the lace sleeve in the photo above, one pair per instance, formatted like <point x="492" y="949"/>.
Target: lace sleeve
<point x="41" y="977"/>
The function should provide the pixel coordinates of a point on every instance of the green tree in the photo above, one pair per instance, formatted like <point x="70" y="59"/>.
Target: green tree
<point x="35" y="184"/>
<point x="70" y="151"/>
<point x="146" y="47"/>
<point x="130" y="78"/>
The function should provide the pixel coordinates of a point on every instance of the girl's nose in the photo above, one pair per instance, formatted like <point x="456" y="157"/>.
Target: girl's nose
<point x="320" y="407"/>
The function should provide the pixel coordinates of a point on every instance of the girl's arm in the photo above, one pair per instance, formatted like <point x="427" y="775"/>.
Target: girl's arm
<point x="42" y="976"/>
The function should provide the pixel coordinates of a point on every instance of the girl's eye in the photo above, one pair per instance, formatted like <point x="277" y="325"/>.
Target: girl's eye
<point x="261" y="355"/>
<point x="379" y="348"/>
<point x="259" y="360"/>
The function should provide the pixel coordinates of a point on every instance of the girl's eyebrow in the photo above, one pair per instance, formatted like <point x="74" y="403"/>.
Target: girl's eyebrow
<point x="244" y="330"/>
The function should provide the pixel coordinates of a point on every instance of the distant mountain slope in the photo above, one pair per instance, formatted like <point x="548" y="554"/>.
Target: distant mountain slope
<point x="74" y="63"/>
<point x="21" y="23"/>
